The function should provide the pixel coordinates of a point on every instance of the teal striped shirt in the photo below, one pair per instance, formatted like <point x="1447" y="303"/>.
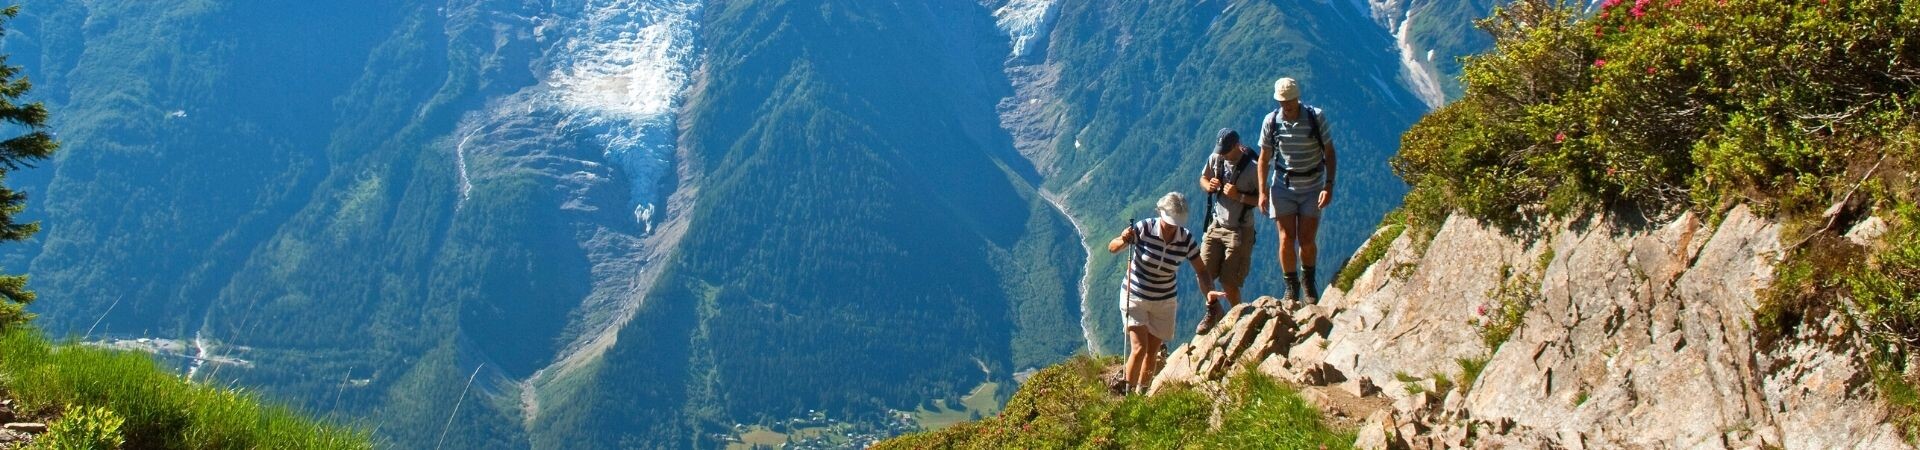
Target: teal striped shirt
<point x="1299" y="150"/>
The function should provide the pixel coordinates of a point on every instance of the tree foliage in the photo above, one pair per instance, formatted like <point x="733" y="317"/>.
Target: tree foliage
<point x="33" y="143"/>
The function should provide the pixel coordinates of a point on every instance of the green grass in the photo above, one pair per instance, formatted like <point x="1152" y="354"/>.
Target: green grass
<point x="1394" y="223"/>
<point x="978" y="403"/>
<point x="1470" y="369"/>
<point x="1511" y="301"/>
<point x="1067" y="406"/>
<point x="160" y="410"/>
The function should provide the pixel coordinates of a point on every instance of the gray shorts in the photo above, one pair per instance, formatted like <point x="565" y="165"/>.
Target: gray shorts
<point x="1288" y="202"/>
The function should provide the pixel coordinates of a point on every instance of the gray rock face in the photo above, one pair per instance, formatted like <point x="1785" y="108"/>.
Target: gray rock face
<point x="1255" y="334"/>
<point x="1636" y="336"/>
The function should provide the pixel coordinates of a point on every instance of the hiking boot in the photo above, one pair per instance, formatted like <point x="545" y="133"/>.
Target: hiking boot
<point x="1307" y="284"/>
<point x="1213" y="318"/>
<point x="1293" y="288"/>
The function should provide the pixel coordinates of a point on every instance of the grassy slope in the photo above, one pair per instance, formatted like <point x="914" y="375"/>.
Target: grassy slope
<point x="161" y="410"/>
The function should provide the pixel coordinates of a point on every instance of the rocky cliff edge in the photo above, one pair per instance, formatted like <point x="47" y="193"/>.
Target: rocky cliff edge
<point x="1629" y="335"/>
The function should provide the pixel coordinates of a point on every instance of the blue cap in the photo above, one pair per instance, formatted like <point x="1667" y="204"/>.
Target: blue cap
<point x="1227" y="141"/>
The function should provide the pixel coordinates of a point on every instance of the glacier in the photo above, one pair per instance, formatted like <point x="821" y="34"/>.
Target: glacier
<point x="619" y="68"/>
<point x="1026" y="23"/>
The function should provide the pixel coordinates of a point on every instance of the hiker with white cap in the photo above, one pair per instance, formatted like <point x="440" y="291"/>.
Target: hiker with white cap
<point x="1295" y="189"/>
<point x="1227" y="246"/>
<point x="1147" y="301"/>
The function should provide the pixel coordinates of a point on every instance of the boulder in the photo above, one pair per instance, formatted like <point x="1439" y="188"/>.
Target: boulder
<point x="1372" y="436"/>
<point x="1379" y="433"/>
<point x="1276" y="366"/>
<point x="1313" y="320"/>
<point x="1313" y="350"/>
<point x="1868" y="231"/>
<point x="1360" y="387"/>
<point x="1414" y="404"/>
<point x="1455" y="402"/>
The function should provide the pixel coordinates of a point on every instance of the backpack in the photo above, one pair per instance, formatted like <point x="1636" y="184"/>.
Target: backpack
<point x="1313" y="129"/>
<point x="1313" y="123"/>
<point x="1220" y="172"/>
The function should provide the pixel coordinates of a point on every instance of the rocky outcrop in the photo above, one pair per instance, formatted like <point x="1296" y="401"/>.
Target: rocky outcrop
<point x="1628" y="336"/>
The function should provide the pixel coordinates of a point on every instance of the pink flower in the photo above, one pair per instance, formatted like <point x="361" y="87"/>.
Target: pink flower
<point x="1557" y="138"/>
<point x="1610" y="4"/>
<point x="1639" y="8"/>
<point x="1481" y="310"/>
<point x="1650" y="70"/>
<point x="1599" y="63"/>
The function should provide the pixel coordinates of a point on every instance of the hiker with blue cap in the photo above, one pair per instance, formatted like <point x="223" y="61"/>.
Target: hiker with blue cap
<point x="1233" y="190"/>
<point x="1296" y="170"/>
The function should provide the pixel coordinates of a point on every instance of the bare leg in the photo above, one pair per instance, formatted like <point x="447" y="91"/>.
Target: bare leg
<point x="1233" y="295"/>
<point x="1153" y="362"/>
<point x="1139" y="358"/>
<point x="1309" y="246"/>
<point x="1288" y="226"/>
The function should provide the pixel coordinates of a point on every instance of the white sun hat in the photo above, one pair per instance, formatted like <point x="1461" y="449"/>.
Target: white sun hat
<point x="1286" y="89"/>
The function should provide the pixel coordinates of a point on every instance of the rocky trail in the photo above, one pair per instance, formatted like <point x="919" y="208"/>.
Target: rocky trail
<point x="1628" y="335"/>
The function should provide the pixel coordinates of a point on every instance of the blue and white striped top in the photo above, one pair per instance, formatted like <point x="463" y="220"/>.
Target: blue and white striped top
<point x="1156" y="258"/>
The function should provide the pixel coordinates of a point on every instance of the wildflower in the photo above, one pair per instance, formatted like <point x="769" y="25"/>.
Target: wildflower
<point x="1557" y="138"/>
<point x="1650" y="70"/>
<point x="1599" y="63"/>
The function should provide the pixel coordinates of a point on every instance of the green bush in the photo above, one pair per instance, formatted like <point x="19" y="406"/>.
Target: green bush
<point x="1067" y="406"/>
<point x="1666" y="105"/>
<point x="83" y="428"/>
<point x="1510" y="302"/>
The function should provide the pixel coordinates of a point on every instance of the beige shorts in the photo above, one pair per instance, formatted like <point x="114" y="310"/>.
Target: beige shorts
<point x="1156" y="315"/>
<point x="1229" y="253"/>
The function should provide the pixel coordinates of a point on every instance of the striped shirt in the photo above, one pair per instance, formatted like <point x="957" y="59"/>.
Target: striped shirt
<point x="1156" y="258"/>
<point x="1300" y="150"/>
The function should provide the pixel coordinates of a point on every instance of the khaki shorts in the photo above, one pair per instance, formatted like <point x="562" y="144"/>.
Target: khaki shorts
<point x="1156" y="315"/>
<point x="1228" y="253"/>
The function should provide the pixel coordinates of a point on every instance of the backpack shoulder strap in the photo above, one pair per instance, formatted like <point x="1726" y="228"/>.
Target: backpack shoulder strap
<point x="1313" y="123"/>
